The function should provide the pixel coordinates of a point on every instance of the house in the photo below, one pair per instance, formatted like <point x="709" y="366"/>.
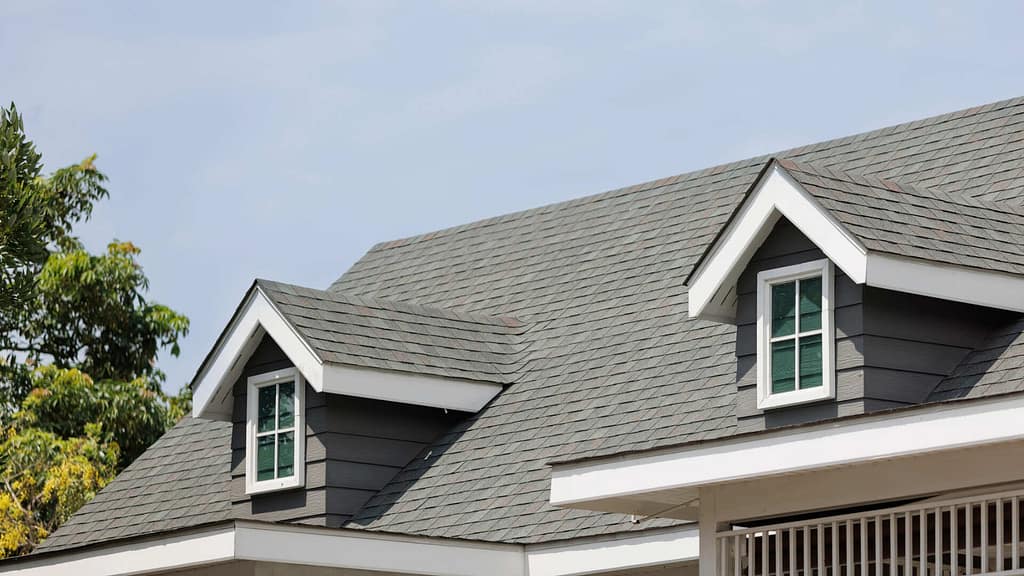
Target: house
<point x="804" y="364"/>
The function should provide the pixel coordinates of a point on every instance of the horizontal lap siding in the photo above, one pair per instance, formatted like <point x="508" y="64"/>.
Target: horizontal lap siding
<point x="892" y="348"/>
<point x="354" y="447"/>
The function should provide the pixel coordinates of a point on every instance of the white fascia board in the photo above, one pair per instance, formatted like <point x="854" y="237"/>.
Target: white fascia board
<point x="776" y="194"/>
<point x="361" y="550"/>
<point x="356" y="550"/>
<point x="945" y="281"/>
<point x="211" y="394"/>
<point x="145" y="557"/>
<point x="409" y="388"/>
<point x="903" y="433"/>
<point x="622" y="552"/>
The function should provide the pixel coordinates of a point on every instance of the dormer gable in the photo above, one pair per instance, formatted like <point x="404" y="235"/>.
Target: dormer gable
<point x="879" y="233"/>
<point x="854" y="294"/>
<point x="363" y="347"/>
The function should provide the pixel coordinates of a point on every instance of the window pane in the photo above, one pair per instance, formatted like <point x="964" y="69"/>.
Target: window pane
<point x="783" y="360"/>
<point x="783" y="309"/>
<point x="265" y="456"/>
<point x="810" y="362"/>
<point x="286" y="410"/>
<point x="266" y="408"/>
<point x="810" y="304"/>
<point x="285" y="454"/>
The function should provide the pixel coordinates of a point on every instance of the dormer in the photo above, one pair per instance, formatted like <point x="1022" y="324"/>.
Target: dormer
<point x="852" y="294"/>
<point x="331" y="395"/>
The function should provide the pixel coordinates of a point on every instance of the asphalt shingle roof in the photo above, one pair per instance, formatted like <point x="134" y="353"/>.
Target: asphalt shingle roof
<point x="611" y="361"/>
<point x="374" y="333"/>
<point x="917" y="222"/>
<point x="182" y="480"/>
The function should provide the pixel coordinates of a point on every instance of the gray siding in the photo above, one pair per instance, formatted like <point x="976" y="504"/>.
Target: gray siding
<point x="892" y="348"/>
<point x="354" y="446"/>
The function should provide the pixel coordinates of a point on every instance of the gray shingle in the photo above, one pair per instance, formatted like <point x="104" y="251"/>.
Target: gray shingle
<point x="375" y="333"/>
<point x="917" y="222"/>
<point x="184" y="475"/>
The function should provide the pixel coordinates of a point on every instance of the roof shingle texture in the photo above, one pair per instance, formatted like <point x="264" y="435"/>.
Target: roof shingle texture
<point x="182" y="480"/>
<point x="374" y="333"/>
<point x="611" y="360"/>
<point x="917" y="222"/>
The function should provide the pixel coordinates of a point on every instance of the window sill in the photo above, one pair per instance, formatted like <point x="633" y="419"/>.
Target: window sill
<point x="787" y="399"/>
<point x="272" y="486"/>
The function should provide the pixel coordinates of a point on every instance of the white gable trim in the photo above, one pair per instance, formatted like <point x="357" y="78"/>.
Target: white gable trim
<point x="776" y="194"/>
<point x="903" y="433"/>
<point x="212" y="393"/>
<point x="258" y="315"/>
<point x="359" y="550"/>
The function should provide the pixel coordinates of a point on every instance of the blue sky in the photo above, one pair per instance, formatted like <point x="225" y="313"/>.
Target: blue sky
<point x="283" y="139"/>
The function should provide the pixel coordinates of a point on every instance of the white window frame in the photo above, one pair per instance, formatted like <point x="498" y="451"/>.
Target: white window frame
<point x="253" y="384"/>
<point x="765" y="280"/>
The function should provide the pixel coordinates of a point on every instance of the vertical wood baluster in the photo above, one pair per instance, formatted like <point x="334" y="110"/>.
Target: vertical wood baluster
<point x="764" y="553"/>
<point x="849" y="548"/>
<point x="938" y="542"/>
<point x="908" y="544"/>
<point x="807" y="551"/>
<point x="791" y="565"/>
<point x="864" y="546"/>
<point x="1015" y="533"/>
<point x="983" y="540"/>
<point x="821" y="550"/>
<point x="893" y="559"/>
<point x="999" y="535"/>
<point x="923" y="544"/>
<point x="751" y="554"/>
<point x="736" y="567"/>
<point x="969" y="544"/>
<point x="954" y="544"/>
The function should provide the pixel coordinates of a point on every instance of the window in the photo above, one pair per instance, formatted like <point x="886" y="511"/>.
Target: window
<point x="275" y="438"/>
<point x="794" y="335"/>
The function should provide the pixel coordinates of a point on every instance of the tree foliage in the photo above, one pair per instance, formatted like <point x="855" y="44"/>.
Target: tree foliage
<point x="80" y="390"/>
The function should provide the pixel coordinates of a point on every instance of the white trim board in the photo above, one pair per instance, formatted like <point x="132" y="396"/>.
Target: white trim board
<point x="777" y="194"/>
<point x="591" y="485"/>
<point x="212" y="391"/>
<point x="358" y="550"/>
<point x="257" y="316"/>
<point x="623" y="552"/>
<point x="198" y="548"/>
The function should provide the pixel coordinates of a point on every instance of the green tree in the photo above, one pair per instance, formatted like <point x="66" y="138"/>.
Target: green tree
<point x="80" y="389"/>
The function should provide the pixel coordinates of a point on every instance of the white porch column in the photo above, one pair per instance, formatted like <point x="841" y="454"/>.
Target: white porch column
<point x="708" y="525"/>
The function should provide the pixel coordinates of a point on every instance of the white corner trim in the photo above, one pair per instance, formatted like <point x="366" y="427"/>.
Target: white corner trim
<point x="774" y="195"/>
<point x="622" y="552"/>
<point x="211" y="394"/>
<point x="827" y="445"/>
<point x="298" y="478"/>
<point x="765" y="280"/>
<point x="409" y="388"/>
<point x="356" y="550"/>
<point x="144" y="557"/>
<point x="945" y="281"/>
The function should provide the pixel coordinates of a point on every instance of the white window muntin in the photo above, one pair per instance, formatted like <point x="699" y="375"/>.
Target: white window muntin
<point x="253" y="385"/>
<point x="765" y="280"/>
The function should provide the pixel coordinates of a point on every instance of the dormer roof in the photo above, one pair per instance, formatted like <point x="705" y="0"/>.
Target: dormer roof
<point x="366" y="347"/>
<point x="879" y="232"/>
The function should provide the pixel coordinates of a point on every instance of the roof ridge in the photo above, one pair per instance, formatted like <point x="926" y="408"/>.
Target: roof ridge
<point x="405" y="306"/>
<point x="837" y="172"/>
<point x="753" y="160"/>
